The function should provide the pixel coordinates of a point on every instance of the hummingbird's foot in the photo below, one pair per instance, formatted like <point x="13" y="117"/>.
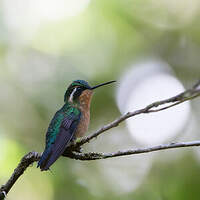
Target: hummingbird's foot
<point x="73" y="141"/>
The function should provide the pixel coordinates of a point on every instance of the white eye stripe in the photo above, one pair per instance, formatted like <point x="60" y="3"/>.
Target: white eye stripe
<point x="72" y="95"/>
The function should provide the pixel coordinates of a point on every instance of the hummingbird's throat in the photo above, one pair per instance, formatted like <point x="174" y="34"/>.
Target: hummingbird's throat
<point x="85" y="99"/>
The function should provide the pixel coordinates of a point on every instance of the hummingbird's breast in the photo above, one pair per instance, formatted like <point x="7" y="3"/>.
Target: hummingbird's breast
<point x="84" y="106"/>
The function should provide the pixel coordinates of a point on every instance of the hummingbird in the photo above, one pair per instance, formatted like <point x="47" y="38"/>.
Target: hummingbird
<point x="68" y="123"/>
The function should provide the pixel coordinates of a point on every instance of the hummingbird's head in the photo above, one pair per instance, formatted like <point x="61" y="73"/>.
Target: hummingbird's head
<point x="80" y="88"/>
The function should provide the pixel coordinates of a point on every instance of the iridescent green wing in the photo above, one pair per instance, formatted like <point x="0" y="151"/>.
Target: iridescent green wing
<point x="60" y="132"/>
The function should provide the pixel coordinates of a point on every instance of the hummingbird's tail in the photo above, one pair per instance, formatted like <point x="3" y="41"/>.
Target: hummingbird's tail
<point x="44" y="158"/>
<point x="51" y="154"/>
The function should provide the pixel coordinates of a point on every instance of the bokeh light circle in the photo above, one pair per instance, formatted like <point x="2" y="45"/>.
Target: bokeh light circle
<point x="156" y="127"/>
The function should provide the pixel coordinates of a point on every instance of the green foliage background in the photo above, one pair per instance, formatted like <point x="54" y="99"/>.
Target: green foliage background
<point x="37" y="64"/>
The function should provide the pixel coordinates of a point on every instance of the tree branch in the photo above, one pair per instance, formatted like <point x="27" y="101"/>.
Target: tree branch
<point x="25" y="162"/>
<point x="71" y="150"/>
<point x="180" y="98"/>
<point x="31" y="157"/>
<point x="97" y="156"/>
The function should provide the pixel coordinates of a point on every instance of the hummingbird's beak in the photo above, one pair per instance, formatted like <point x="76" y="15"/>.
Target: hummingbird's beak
<point x="102" y="84"/>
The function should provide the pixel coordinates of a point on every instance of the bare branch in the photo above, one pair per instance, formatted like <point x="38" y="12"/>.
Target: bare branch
<point x="32" y="157"/>
<point x="71" y="150"/>
<point x="97" y="156"/>
<point x="173" y="101"/>
<point x="25" y="162"/>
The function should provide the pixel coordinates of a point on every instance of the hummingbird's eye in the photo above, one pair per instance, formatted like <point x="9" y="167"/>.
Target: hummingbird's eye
<point x="77" y="92"/>
<point x="78" y="89"/>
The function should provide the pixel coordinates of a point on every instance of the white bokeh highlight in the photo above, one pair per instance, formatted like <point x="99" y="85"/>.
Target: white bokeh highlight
<point x="146" y="88"/>
<point x="24" y="17"/>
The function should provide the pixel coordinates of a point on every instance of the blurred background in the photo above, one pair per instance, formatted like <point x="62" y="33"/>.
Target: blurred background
<point x="150" y="47"/>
